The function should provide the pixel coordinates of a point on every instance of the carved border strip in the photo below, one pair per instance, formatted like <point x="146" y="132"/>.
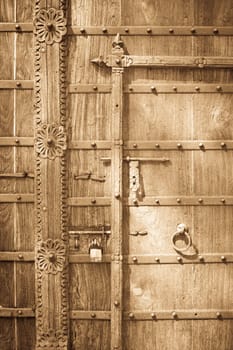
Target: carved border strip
<point x="51" y="254"/>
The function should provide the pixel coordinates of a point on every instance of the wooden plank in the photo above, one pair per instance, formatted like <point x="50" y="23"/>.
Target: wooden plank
<point x="93" y="122"/>
<point x="89" y="88"/>
<point x="17" y="256"/>
<point x="16" y="312"/>
<point x="24" y="114"/>
<point x="6" y="55"/>
<point x="181" y="200"/>
<point x="7" y="333"/>
<point x="87" y="201"/>
<point x="6" y="112"/>
<point x="150" y="30"/>
<point x="90" y="315"/>
<point x="7" y="11"/>
<point x="163" y="12"/>
<point x="85" y="282"/>
<point x="19" y="84"/>
<point x="26" y="337"/>
<point x="6" y="227"/>
<point x="24" y="58"/>
<point x="16" y="141"/>
<point x="7" y="293"/>
<point x="92" y="144"/>
<point x="6" y="166"/>
<point x="214" y="13"/>
<point x="25" y="285"/>
<point x="25" y="227"/>
<point x="24" y="162"/>
<point x="16" y="27"/>
<point x="155" y="88"/>
<point x="87" y="334"/>
<point x="180" y="144"/>
<point x="94" y="13"/>
<point x="16" y="198"/>
<point x="24" y="11"/>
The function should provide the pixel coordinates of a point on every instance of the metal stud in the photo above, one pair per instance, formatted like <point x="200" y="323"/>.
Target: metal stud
<point x="117" y="195"/>
<point x="157" y="145"/>
<point x="135" y="259"/>
<point x="193" y="30"/>
<point x="174" y="88"/>
<point x="49" y="141"/>
<point x="95" y="88"/>
<point x="179" y="259"/>
<point x="223" y="258"/>
<point x="18" y="84"/>
<point x="218" y="314"/>
<point x="93" y="144"/>
<point x="130" y="88"/>
<point x="82" y="30"/>
<point x="201" y="145"/>
<point x="197" y="88"/>
<point x="118" y="61"/>
<point x="116" y="303"/>
<point x="149" y="30"/>
<point x="127" y="30"/>
<point x="178" y="200"/>
<point x="153" y="316"/>
<point x="152" y="88"/>
<point x="174" y="314"/>
<point x="19" y="198"/>
<point x="93" y="201"/>
<point x="17" y="141"/>
<point x="20" y="312"/>
<point x="179" y="145"/>
<point x="131" y="315"/>
<point x="157" y="201"/>
<point x="223" y="145"/>
<point x="201" y="258"/>
<point x="157" y="260"/>
<point x="215" y="31"/>
<point x="200" y="200"/>
<point x="17" y="27"/>
<point x="218" y="88"/>
<point x="171" y="30"/>
<point x="104" y="30"/>
<point x="223" y="200"/>
<point x="20" y="256"/>
<point x="93" y="315"/>
<point x="135" y="202"/>
<point x="135" y="145"/>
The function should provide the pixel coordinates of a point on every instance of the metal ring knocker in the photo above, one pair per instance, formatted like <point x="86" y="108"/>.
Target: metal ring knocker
<point x="182" y="231"/>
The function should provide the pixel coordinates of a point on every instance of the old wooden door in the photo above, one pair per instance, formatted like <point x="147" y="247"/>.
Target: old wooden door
<point x="116" y="227"/>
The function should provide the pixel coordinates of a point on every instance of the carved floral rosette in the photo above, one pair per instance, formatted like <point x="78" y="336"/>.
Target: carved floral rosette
<point x="50" y="141"/>
<point x="53" y="340"/>
<point x="50" y="26"/>
<point x="51" y="256"/>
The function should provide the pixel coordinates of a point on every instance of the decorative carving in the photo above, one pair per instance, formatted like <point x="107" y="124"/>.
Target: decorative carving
<point x="51" y="256"/>
<point x="51" y="141"/>
<point x="50" y="26"/>
<point x="53" y="340"/>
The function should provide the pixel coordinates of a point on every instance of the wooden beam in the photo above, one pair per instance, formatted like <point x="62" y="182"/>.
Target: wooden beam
<point x="17" y="84"/>
<point x="16" y="312"/>
<point x="17" y="256"/>
<point x="17" y="198"/>
<point x="195" y="314"/>
<point x="88" y="201"/>
<point x="92" y="144"/>
<point x="181" y="145"/>
<point x="90" y="315"/>
<point x="16" y="141"/>
<point x="177" y="259"/>
<point x="179" y="201"/>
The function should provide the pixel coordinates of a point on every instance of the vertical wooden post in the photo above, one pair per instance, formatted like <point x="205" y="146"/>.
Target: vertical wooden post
<point x="50" y="145"/>
<point x="117" y="196"/>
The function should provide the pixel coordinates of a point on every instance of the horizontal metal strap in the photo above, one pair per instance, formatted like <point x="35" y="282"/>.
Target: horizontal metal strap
<point x="177" y="259"/>
<point x="88" y="201"/>
<point x="16" y="27"/>
<point x="183" y="200"/>
<point x="16" y="141"/>
<point x="17" y="256"/>
<point x="90" y="315"/>
<point x="90" y="145"/>
<point x="25" y="174"/>
<point x="19" y="198"/>
<point x="175" y="61"/>
<point x="180" y="145"/>
<point x="194" y="314"/>
<point x="150" y="30"/>
<point x="17" y="84"/>
<point x="142" y="159"/>
<point x="178" y="88"/>
<point x="16" y="312"/>
<point x="89" y="88"/>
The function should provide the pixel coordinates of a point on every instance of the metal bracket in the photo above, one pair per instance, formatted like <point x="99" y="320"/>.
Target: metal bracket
<point x="89" y="176"/>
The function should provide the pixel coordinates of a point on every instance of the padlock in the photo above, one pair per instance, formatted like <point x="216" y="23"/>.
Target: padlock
<point x="95" y="251"/>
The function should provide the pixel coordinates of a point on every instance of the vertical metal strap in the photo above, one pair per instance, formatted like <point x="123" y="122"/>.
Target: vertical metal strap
<point x="117" y="163"/>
